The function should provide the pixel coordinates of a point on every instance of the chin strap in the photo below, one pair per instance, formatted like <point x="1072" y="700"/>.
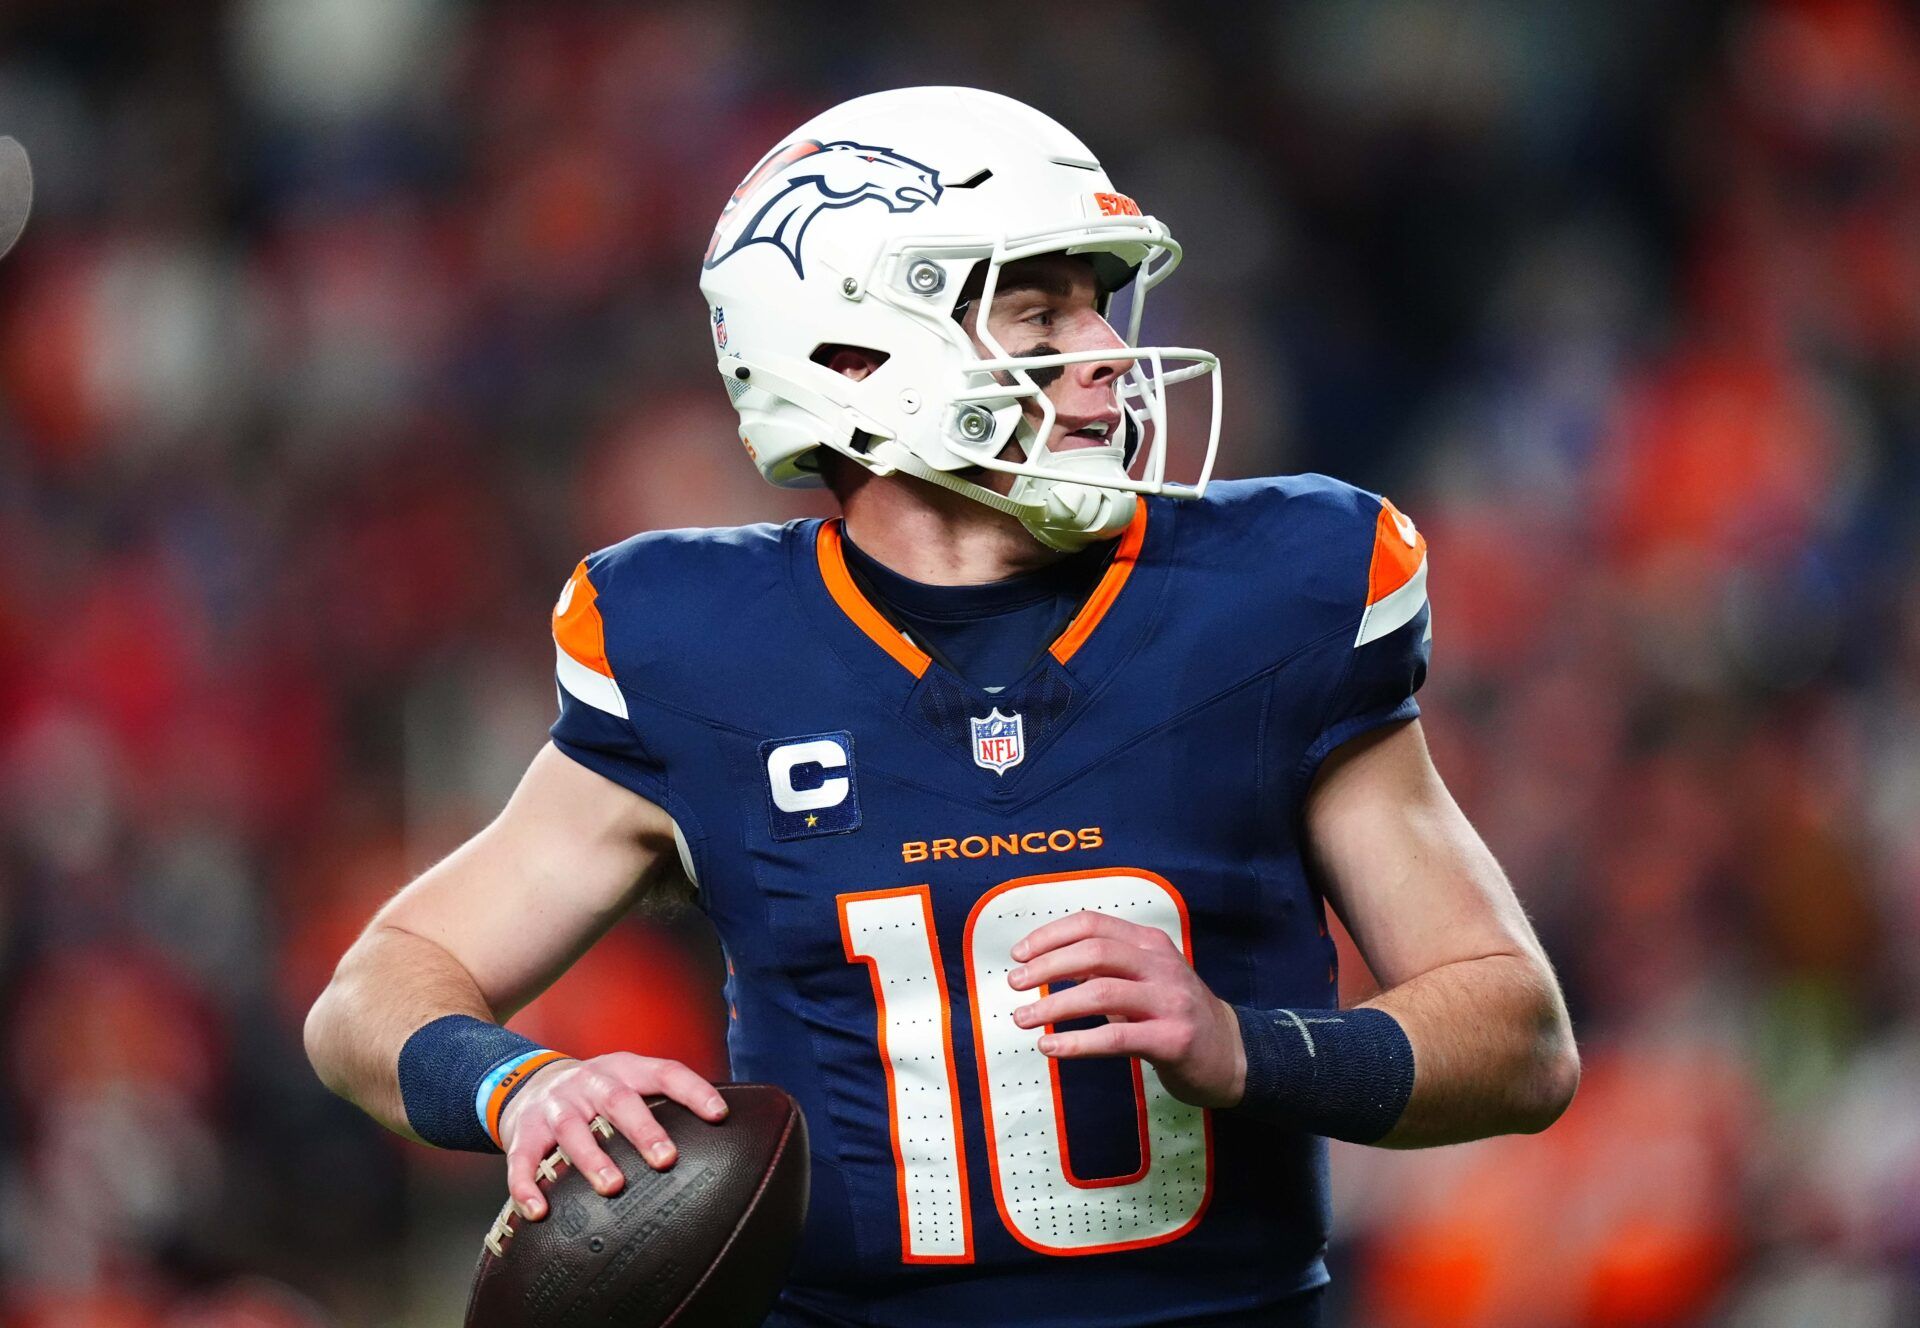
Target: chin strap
<point x="891" y="454"/>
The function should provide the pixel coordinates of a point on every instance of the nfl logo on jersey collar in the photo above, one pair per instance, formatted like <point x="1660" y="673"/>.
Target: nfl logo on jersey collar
<point x="999" y="741"/>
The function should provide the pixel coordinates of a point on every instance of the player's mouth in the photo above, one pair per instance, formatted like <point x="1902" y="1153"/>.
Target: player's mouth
<point x="1087" y="431"/>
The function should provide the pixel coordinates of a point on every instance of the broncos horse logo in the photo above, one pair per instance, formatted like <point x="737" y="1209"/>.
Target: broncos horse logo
<point x="818" y="177"/>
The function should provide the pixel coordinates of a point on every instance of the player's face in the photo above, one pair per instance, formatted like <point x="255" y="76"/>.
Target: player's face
<point x="1047" y="305"/>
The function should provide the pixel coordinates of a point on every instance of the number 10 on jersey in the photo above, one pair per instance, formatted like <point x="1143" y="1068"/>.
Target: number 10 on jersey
<point x="1042" y="1202"/>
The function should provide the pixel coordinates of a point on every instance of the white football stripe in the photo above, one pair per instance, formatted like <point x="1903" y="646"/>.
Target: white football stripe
<point x="583" y="684"/>
<point x="1394" y="611"/>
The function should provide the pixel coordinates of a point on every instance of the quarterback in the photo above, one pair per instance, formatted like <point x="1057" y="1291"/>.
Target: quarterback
<point x="1017" y="793"/>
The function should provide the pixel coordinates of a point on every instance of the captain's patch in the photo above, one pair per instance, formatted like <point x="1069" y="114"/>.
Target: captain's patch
<point x="810" y="788"/>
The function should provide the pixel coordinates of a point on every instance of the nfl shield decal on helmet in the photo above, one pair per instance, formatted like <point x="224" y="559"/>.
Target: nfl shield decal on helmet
<point x="999" y="741"/>
<point x="719" y="328"/>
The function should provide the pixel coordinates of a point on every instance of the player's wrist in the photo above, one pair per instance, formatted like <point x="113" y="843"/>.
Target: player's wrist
<point x="457" y="1075"/>
<point x="505" y="1084"/>
<point x="1345" y="1074"/>
<point x="523" y="1096"/>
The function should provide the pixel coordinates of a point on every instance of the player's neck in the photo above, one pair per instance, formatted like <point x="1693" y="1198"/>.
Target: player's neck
<point x="930" y="535"/>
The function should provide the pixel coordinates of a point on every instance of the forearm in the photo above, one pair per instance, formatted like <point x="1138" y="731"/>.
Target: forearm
<point x="1466" y="983"/>
<point x="1493" y="1050"/>
<point x="389" y="985"/>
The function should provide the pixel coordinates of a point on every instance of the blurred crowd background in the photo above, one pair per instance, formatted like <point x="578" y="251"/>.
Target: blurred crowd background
<point x="345" y="327"/>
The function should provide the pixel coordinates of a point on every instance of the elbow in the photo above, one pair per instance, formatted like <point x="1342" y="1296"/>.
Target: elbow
<point x="327" y="1034"/>
<point x="1552" y="1073"/>
<point x="316" y="1036"/>
<point x="1556" y="1078"/>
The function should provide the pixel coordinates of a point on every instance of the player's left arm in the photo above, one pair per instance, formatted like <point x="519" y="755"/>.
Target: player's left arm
<point x="1436" y="920"/>
<point x="1469" y="1038"/>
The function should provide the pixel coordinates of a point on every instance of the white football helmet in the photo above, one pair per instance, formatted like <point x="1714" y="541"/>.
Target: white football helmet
<point x="861" y="229"/>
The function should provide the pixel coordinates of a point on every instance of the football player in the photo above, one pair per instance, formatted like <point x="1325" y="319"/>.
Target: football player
<point x="1016" y="794"/>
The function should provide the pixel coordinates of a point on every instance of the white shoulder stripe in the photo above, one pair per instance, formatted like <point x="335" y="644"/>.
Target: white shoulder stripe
<point x="583" y="684"/>
<point x="686" y="854"/>
<point x="1392" y="612"/>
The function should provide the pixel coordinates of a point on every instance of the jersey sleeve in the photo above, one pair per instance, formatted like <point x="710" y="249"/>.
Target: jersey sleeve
<point x="594" y="727"/>
<point x="1386" y="660"/>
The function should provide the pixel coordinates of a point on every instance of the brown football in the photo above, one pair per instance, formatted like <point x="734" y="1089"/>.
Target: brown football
<point x="703" y="1244"/>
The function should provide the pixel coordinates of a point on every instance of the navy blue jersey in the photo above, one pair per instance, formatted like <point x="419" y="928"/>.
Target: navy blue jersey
<point x="871" y="834"/>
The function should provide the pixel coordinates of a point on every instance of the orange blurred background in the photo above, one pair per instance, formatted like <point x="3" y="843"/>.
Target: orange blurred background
<point x="344" y="327"/>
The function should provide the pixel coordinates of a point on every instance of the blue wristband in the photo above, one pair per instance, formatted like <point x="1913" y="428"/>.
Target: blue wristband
<point x="458" y="1073"/>
<point x="1346" y="1074"/>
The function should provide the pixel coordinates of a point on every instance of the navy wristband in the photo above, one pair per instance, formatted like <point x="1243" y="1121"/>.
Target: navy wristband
<point x="1346" y="1074"/>
<point x="457" y="1074"/>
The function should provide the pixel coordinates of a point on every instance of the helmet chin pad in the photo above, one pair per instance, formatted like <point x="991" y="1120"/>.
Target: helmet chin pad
<point x="1067" y="516"/>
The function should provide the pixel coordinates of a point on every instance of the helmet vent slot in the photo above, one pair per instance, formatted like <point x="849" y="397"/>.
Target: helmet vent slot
<point x="973" y="181"/>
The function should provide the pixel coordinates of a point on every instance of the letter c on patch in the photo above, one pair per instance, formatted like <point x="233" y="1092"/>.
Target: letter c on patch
<point x="822" y="752"/>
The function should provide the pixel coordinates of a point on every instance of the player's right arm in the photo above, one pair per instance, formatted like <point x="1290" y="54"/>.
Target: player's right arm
<point x="485" y="931"/>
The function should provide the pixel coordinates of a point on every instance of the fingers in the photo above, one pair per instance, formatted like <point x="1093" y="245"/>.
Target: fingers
<point x="690" y="1090"/>
<point x="1082" y="926"/>
<point x="1163" y="1042"/>
<point x="521" y="1185"/>
<point x="1108" y="996"/>
<point x="631" y="1116"/>
<point x="1094" y="957"/>
<point x="1128" y="1039"/>
<point x="607" y="1093"/>
<point x="530" y="1155"/>
<point x="582" y="1147"/>
<point x="624" y="1103"/>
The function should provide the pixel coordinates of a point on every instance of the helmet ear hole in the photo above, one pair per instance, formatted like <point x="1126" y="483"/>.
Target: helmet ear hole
<point x="856" y="362"/>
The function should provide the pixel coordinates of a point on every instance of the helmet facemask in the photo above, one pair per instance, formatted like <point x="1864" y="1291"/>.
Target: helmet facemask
<point x="1069" y="498"/>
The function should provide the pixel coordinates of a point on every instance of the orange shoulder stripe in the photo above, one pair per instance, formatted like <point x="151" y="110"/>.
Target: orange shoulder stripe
<point x="1108" y="590"/>
<point x="577" y="626"/>
<point x="833" y="570"/>
<point x="1398" y="551"/>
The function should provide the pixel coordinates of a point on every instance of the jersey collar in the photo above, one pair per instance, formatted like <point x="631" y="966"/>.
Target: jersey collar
<point x="846" y="594"/>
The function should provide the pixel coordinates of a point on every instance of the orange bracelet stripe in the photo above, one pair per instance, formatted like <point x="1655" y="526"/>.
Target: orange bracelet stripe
<point x="497" y="1101"/>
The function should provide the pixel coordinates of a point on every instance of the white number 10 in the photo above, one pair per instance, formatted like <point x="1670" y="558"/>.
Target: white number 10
<point x="1042" y="1202"/>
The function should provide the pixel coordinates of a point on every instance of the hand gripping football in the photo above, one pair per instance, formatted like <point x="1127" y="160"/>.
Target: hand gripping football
<point x="704" y="1244"/>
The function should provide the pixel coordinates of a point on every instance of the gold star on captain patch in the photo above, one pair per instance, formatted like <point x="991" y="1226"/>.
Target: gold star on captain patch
<point x="812" y="820"/>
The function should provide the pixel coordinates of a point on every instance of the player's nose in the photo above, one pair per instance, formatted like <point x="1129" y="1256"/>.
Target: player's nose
<point x="1095" y="333"/>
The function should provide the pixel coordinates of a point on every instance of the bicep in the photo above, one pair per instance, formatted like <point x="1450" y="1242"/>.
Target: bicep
<point x="1403" y="867"/>
<point x="521" y="900"/>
